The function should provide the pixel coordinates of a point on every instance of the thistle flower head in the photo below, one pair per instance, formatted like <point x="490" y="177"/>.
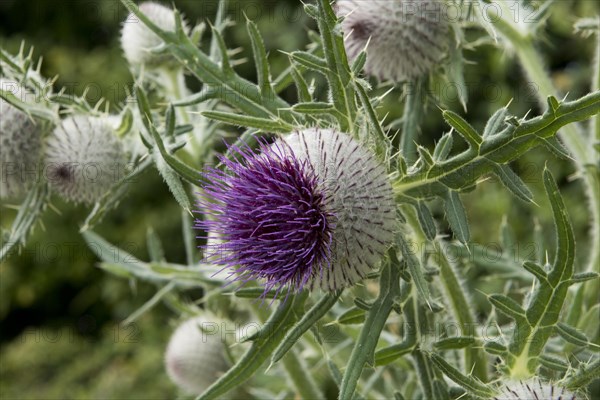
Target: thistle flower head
<point x="138" y="40"/>
<point x="84" y="158"/>
<point x="20" y="146"/>
<point x="195" y="355"/>
<point x="405" y="38"/>
<point x="313" y="209"/>
<point x="533" y="389"/>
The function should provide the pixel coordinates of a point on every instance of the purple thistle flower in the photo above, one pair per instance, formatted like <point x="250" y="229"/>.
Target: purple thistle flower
<point x="313" y="209"/>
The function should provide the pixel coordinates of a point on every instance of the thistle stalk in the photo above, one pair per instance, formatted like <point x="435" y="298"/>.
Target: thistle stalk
<point x="575" y="140"/>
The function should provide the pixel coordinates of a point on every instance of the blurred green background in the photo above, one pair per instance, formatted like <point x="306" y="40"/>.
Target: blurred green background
<point x="61" y="335"/>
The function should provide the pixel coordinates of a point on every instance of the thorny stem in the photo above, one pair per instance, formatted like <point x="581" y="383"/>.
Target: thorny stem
<point x="414" y="109"/>
<point x="580" y="147"/>
<point x="296" y="370"/>
<point x="460" y="305"/>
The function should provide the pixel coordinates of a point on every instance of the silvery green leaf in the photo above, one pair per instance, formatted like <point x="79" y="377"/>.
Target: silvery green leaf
<point x="364" y="348"/>
<point x="459" y="342"/>
<point x="308" y="320"/>
<point x="415" y="268"/>
<point x="269" y="337"/>
<point x="572" y="335"/>
<point x="508" y="306"/>
<point x="29" y="213"/>
<point x="353" y="315"/>
<point x="496" y="122"/>
<point x="457" y="217"/>
<point x="173" y="182"/>
<point x="309" y="61"/>
<point x="468" y="383"/>
<point x="495" y="348"/>
<point x="264" y="124"/>
<point x="554" y="363"/>
<point x="314" y="107"/>
<point x="443" y="147"/>
<point x="426" y="220"/>
<point x="260" y="59"/>
<point x="465" y="129"/>
<point x="513" y="183"/>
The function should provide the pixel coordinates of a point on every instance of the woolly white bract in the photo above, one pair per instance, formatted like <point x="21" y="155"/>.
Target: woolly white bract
<point x="195" y="355"/>
<point x="20" y="146"/>
<point x="405" y="38"/>
<point x="360" y="196"/>
<point x="533" y="389"/>
<point x="138" y="40"/>
<point x="83" y="158"/>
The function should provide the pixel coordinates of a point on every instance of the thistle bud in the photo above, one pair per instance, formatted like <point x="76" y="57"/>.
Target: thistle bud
<point x="195" y="356"/>
<point x="20" y="146"/>
<point x="313" y="209"/>
<point x="84" y="158"/>
<point x="406" y="39"/>
<point x="138" y="40"/>
<point x="533" y="389"/>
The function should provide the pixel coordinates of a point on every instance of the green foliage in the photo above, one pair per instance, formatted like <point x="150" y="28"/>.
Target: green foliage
<point x="412" y="328"/>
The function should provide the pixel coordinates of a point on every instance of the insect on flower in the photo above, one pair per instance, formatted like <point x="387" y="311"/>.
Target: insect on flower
<point x="314" y="209"/>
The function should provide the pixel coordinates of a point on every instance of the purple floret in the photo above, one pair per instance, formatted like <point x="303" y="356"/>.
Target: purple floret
<point x="270" y="215"/>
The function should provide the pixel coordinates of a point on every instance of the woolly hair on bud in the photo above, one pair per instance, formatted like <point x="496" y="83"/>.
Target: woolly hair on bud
<point x="533" y="389"/>
<point x="195" y="355"/>
<point x="406" y="39"/>
<point x="83" y="158"/>
<point x="313" y="209"/>
<point x="20" y="146"/>
<point x="138" y="41"/>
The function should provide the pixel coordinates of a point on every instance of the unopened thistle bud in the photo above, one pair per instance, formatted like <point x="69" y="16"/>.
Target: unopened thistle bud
<point x="20" y="146"/>
<point x="406" y="39"/>
<point x="84" y="158"/>
<point x="195" y="356"/>
<point x="533" y="389"/>
<point x="313" y="209"/>
<point x="138" y="41"/>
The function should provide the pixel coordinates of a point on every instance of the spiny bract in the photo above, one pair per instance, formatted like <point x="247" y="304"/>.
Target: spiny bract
<point x="405" y="38"/>
<point x="84" y="158"/>
<point x="195" y="355"/>
<point x="138" y="40"/>
<point x="20" y="146"/>
<point x="313" y="209"/>
<point x="533" y="389"/>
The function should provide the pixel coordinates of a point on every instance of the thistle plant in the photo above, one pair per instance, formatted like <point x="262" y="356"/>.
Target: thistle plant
<point x="195" y="355"/>
<point x="21" y="141"/>
<point x="316" y="215"/>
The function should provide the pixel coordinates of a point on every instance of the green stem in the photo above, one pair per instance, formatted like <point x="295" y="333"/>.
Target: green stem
<point x="414" y="109"/>
<point x="302" y="380"/>
<point x="376" y="318"/>
<point x="464" y="169"/>
<point x="576" y="142"/>
<point x="294" y="367"/>
<point x="454" y="292"/>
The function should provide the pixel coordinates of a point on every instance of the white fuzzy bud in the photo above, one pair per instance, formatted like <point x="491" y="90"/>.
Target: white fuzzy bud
<point x="533" y="389"/>
<point x="406" y="39"/>
<point x="138" y="41"/>
<point x="20" y="146"/>
<point x="83" y="158"/>
<point x="195" y="356"/>
<point x="359" y="195"/>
